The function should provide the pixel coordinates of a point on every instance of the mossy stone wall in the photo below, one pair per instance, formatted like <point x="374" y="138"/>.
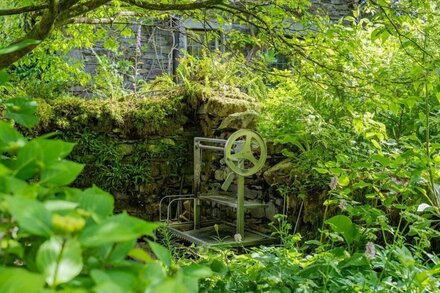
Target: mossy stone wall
<point x="141" y="149"/>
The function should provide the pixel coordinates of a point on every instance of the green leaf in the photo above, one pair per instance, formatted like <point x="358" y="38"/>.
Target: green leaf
<point x="343" y="225"/>
<point x="108" y="286"/>
<point x="116" y="252"/>
<point x="197" y="271"/>
<point x="28" y="161"/>
<point x="31" y="215"/>
<point x="46" y="155"/>
<point x="10" y="139"/>
<point x="60" y="205"/>
<point x="9" y="184"/>
<point x="14" y="280"/>
<point x="376" y="144"/>
<point x="4" y="170"/>
<point x="96" y="201"/>
<point x="18" y="46"/>
<point x="59" y="260"/>
<point x="321" y="170"/>
<point x="161" y="252"/>
<point x="54" y="149"/>
<point x="61" y="173"/>
<point x="361" y="184"/>
<point x="140" y="254"/>
<point x="121" y="277"/>
<point x="21" y="110"/>
<point x="219" y="267"/>
<point x="3" y="77"/>
<point x="356" y="260"/>
<point x="119" y="228"/>
<point x="344" y="180"/>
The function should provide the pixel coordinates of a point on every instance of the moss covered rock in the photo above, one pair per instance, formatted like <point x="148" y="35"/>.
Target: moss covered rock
<point x="127" y="117"/>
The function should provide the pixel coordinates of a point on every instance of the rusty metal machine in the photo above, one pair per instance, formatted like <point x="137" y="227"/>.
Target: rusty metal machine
<point x="244" y="153"/>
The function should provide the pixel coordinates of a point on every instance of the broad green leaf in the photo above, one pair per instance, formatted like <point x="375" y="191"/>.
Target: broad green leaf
<point x="3" y="77"/>
<point x="123" y="278"/>
<point x="116" y="252"/>
<point x="321" y="170"/>
<point x="60" y="260"/>
<point x="4" y="171"/>
<point x="10" y="139"/>
<point x="108" y="286"/>
<point x="119" y="228"/>
<point x="197" y="271"/>
<point x="161" y="252"/>
<point x="54" y="149"/>
<point x="356" y="260"/>
<point x="361" y="184"/>
<point x="96" y="201"/>
<point x="344" y="226"/>
<point x="385" y="161"/>
<point x="175" y="285"/>
<point x="14" y="280"/>
<point x="31" y="215"/>
<point x="405" y="256"/>
<point x="13" y="185"/>
<point x="344" y="180"/>
<point x="219" y="267"/>
<point x="140" y="254"/>
<point x="61" y="173"/>
<point x="60" y="205"/>
<point x="46" y="155"/>
<point x="22" y="111"/>
<point x="29" y="160"/>
<point x="376" y="144"/>
<point x="18" y="46"/>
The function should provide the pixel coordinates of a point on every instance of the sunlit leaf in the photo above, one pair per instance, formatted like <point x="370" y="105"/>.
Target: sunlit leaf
<point x="59" y="259"/>
<point x="18" y="46"/>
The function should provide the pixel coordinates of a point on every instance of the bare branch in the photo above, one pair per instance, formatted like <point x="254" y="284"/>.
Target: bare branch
<point x="19" y="10"/>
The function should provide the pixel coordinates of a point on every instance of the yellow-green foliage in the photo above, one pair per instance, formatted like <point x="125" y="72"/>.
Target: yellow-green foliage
<point x="127" y="117"/>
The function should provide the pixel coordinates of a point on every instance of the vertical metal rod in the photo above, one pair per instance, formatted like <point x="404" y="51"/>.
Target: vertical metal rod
<point x="197" y="180"/>
<point x="240" y="206"/>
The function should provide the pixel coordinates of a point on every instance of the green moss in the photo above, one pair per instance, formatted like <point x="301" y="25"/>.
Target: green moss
<point x="127" y="117"/>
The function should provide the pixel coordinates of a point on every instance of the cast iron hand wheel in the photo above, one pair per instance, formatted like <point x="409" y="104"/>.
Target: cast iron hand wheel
<point x="239" y="150"/>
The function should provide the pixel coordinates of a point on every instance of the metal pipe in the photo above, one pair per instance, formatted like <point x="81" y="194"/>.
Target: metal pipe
<point x="207" y="139"/>
<point x="170" y="196"/>
<point x="197" y="182"/>
<point x="210" y="147"/>
<point x="240" y="206"/>
<point x="169" y="205"/>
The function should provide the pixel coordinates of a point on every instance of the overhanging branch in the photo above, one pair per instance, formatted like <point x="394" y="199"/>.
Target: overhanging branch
<point x="19" y="10"/>
<point x="169" y="7"/>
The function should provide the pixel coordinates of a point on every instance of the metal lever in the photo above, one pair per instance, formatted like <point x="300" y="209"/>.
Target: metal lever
<point x="228" y="181"/>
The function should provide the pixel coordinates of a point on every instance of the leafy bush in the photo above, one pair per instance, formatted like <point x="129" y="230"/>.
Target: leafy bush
<point x="393" y="268"/>
<point x="62" y="238"/>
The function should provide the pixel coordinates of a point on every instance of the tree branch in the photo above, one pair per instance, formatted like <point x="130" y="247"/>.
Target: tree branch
<point x="19" y="10"/>
<point x="39" y="32"/>
<point x="79" y="9"/>
<point x="168" y="7"/>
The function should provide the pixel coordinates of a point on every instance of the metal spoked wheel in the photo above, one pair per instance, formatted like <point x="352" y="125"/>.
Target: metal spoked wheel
<point x="245" y="152"/>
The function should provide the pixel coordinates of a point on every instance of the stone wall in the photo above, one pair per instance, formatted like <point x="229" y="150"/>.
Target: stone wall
<point x="163" y="40"/>
<point x="335" y="8"/>
<point x="150" y="52"/>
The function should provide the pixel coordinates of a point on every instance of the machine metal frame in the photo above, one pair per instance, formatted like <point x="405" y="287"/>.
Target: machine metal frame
<point x="236" y="151"/>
